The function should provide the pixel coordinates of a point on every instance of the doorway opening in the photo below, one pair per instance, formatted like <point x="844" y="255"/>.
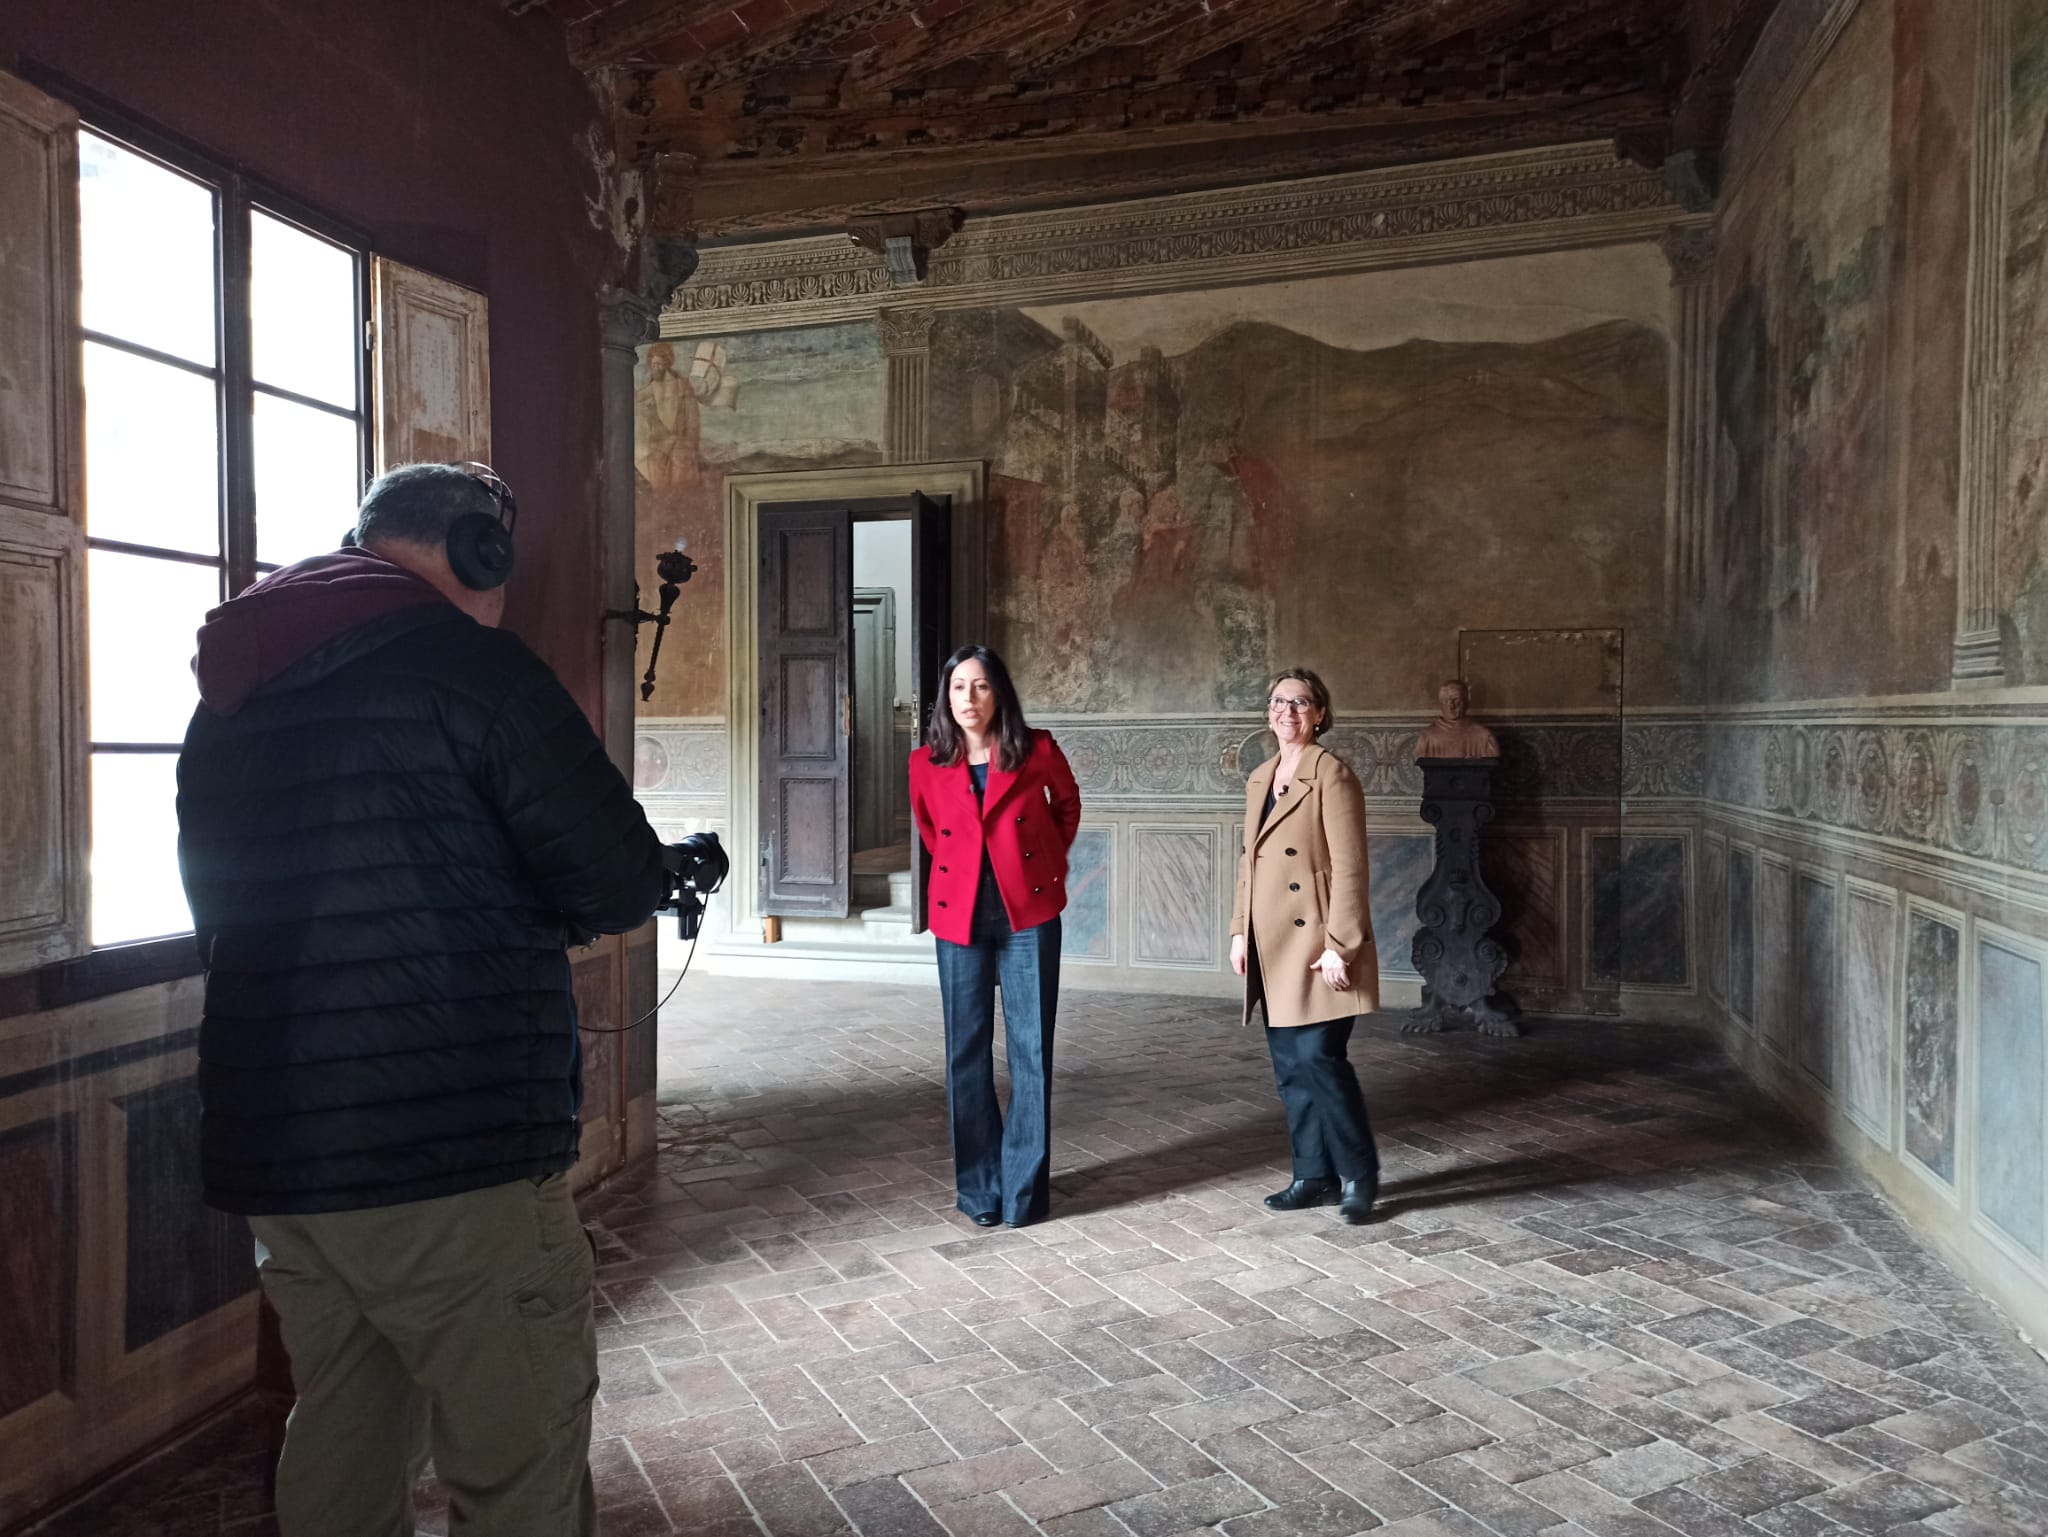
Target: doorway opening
<point x="817" y="741"/>
<point x="884" y="728"/>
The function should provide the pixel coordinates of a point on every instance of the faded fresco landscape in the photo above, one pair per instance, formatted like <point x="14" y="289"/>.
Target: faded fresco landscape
<point x="1837" y="373"/>
<point x="1172" y="526"/>
<point x="703" y="410"/>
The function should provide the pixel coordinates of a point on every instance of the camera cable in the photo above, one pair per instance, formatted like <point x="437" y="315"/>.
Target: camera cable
<point x="651" y="1013"/>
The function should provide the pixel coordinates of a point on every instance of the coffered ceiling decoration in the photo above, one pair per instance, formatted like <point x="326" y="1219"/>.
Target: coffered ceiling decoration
<point x="796" y="113"/>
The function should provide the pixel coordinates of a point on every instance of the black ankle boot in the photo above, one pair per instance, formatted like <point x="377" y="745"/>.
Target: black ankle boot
<point x="1356" y="1205"/>
<point x="1302" y="1194"/>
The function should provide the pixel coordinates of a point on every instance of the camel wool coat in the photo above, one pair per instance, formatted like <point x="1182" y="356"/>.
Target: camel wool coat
<point x="1301" y="889"/>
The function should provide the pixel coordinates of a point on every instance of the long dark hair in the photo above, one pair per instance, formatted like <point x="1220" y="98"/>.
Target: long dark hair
<point x="1013" y="738"/>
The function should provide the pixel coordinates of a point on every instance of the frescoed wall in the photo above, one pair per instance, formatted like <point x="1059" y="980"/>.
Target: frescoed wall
<point x="1190" y="490"/>
<point x="1879" y="938"/>
<point x="766" y="400"/>
<point x="1836" y="379"/>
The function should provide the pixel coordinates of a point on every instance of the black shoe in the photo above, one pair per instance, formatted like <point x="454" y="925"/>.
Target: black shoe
<point x="986" y="1218"/>
<point x="1302" y="1194"/>
<point x="1356" y="1206"/>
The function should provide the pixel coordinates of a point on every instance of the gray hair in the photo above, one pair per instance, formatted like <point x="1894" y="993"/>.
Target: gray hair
<point x="417" y="503"/>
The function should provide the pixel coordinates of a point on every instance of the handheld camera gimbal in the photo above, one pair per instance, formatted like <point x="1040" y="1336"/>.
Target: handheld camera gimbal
<point x="697" y="867"/>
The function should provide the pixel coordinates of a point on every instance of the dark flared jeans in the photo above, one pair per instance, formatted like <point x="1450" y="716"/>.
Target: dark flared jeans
<point x="1326" y="1120"/>
<point x="1001" y="1164"/>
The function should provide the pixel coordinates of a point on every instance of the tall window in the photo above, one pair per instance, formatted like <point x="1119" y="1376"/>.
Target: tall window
<point x="226" y="435"/>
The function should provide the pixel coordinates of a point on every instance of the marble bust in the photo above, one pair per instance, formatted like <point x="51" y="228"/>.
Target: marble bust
<point x="1454" y="734"/>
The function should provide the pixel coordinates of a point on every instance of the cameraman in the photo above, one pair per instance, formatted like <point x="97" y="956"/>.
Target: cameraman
<point x="391" y="819"/>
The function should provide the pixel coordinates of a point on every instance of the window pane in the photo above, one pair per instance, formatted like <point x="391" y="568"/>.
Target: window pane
<point x="146" y="244"/>
<point x="302" y="312"/>
<point x="144" y="619"/>
<point x="136" y="892"/>
<point x="152" y="457"/>
<point x="307" y="474"/>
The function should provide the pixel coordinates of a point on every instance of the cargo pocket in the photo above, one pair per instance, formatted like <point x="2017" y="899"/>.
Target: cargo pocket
<point x="553" y="1304"/>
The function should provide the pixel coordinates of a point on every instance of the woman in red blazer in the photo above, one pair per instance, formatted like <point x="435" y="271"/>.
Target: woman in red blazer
<point x="997" y="808"/>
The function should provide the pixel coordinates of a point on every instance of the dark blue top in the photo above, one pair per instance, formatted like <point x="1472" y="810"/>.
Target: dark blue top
<point x="989" y="912"/>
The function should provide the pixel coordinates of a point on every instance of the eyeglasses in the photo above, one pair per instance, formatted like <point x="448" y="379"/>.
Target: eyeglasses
<point x="1292" y="706"/>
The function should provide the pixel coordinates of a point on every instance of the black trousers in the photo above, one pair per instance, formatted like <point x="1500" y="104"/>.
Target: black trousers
<point x="1326" y="1120"/>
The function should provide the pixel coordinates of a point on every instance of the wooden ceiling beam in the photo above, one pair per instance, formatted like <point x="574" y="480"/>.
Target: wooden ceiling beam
<point x="1112" y="25"/>
<point x="614" y="35"/>
<point x="1245" y="20"/>
<point x="1379" y="100"/>
<point x="965" y="35"/>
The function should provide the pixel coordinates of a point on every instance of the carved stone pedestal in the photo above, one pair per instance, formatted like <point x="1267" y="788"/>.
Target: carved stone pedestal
<point x="1454" y="949"/>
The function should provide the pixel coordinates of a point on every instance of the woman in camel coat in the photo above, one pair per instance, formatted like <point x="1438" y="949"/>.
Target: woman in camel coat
<point x="1301" y="937"/>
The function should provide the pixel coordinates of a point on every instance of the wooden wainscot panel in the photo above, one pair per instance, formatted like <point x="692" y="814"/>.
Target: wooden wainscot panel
<point x="127" y="1308"/>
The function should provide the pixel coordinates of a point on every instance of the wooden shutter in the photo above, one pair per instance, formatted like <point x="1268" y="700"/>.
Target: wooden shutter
<point x="44" y="750"/>
<point x="432" y="368"/>
<point x="806" y="608"/>
<point x="931" y="642"/>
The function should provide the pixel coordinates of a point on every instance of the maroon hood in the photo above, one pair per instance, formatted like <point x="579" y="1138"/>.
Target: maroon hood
<point x="293" y="612"/>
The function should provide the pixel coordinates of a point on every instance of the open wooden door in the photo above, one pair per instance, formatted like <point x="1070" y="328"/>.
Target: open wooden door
<point x="806" y="608"/>
<point x="931" y="641"/>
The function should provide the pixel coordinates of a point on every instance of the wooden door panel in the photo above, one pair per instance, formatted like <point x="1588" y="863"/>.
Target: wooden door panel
<point x="809" y="584"/>
<point x="807" y="702"/>
<point x="44" y="752"/>
<point x="806" y="668"/>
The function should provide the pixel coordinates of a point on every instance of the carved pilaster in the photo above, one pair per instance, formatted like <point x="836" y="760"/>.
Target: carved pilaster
<point x="1689" y="248"/>
<point x="1977" y="658"/>
<point x="624" y="321"/>
<point x="907" y="347"/>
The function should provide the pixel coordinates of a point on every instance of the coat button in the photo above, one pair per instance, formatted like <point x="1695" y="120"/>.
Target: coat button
<point x="1300" y="923"/>
<point x="942" y="869"/>
<point x="942" y="904"/>
<point x="947" y="832"/>
<point x="1035" y="890"/>
<point x="1027" y="853"/>
<point x="1290" y="853"/>
<point x="1291" y="885"/>
<point x="1020" y="816"/>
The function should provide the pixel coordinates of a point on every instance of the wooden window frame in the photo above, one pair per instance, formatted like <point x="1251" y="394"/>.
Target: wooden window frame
<point x="105" y="970"/>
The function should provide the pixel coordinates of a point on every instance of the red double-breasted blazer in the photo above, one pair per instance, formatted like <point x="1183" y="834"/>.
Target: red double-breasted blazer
<point x="1026" y="823"/>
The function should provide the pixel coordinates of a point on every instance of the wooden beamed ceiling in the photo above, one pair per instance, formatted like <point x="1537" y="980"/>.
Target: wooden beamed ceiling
<point x="794" y="113"/>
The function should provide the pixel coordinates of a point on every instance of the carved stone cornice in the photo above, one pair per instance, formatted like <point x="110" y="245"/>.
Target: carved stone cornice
<point x="1493" y="205"/>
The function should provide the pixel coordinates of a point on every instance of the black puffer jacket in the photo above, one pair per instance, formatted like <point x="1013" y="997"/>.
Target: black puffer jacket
<point x="385" y="846"/>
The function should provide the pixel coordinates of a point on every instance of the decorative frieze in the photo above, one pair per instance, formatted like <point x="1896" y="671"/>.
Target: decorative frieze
<point x="1532" y="200"/>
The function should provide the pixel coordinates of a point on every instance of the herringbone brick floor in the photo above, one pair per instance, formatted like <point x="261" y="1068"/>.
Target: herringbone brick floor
<point x="1614" y="1293"/>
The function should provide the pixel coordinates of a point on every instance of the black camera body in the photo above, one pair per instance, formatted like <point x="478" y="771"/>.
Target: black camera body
<point x="697" y="867"/>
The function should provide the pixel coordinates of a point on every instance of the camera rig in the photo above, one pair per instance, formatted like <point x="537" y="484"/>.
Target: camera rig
<point x="697" y="867"/>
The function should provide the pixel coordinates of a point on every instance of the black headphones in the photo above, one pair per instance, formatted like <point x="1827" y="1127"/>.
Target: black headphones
<point x="480" y="543"/>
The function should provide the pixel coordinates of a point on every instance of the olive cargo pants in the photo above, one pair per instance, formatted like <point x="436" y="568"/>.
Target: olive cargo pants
<point x="460" y="1326"/>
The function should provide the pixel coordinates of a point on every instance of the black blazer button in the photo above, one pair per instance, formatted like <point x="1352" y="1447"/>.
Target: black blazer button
<point x="1290" y="853"/>
<point x="1291" y="885"/>
<point x="1300" y="923"/>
